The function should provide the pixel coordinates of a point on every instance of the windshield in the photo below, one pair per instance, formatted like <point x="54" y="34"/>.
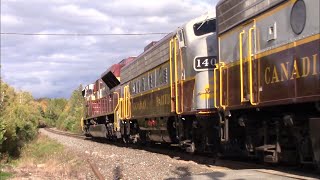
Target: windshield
<point x="204" y="27"/>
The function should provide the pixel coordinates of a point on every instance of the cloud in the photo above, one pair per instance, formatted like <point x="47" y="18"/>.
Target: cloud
<point x="53" y="66"/>
<point x="10" y="20"/>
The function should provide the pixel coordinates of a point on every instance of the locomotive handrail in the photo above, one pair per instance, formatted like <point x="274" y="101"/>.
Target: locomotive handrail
<point x="124" y="103"/>
<point x="250" y="65"/>
<point x="215" y="85"/>
<point x="176" y="75"/>
<point x="120" y="108"/>
<point x="171" y="78"/>
<point x="241" y="65"/>
<point x="221" y="83"/>
<point x="115" y="123"/>
<point x="127" y="103"/>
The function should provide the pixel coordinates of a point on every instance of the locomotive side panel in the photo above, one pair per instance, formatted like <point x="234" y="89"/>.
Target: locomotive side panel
<point x="288" y="59"/>
<point x="231" y="13"/>
<point x="267" y="62"/>
<point x="152" y="104"/>
<point x="292" y="73"/>
<point x="148" y="60"/>
<point x="102" y="102"/>
<point x="308" y="84"/>
<point x="272" y="82"/>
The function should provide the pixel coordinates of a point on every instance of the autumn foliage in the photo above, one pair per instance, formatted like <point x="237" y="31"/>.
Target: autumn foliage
<point x="21" y="115"/>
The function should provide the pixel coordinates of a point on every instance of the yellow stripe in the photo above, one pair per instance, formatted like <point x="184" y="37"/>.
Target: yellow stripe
<point x="278" y="49"/>
<point x="259" y="18"/>
<point x="288" y="46"/>
<point x="277" y="9"/>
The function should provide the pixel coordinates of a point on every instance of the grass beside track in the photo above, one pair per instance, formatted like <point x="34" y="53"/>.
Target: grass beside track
<point x="40" y="150"/>
<point x="45" y="158"/>
<point x="5" y="175"/>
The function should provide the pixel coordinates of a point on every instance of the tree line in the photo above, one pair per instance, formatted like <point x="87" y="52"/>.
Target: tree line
<point x="21" y="115"/>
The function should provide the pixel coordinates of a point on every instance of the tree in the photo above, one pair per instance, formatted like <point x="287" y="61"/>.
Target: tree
<point x="51" y="109"/>
<point x="18" y="119"/>
<point x="73" y="111"/>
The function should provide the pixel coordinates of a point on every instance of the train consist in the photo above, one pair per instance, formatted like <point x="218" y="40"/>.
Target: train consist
<point x="243" y="84"/>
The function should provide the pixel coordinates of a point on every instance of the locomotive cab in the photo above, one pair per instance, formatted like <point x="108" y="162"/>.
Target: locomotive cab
<point x="198" y="51"/>
<point x="193" y="54"/>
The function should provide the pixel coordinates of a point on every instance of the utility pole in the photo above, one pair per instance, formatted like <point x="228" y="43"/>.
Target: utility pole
<point x="21" y="97"/>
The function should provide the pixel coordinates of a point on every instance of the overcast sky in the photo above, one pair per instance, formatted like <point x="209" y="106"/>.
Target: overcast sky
<point x="53" y="66"/>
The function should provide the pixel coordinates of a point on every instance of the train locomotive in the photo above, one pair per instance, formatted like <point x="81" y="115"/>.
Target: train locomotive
<point x="245" y="83"/>
<point x="267" y="80"/>
<point x="163" y="95"/>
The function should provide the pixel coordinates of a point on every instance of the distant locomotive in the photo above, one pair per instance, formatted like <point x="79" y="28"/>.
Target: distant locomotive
<point x="163" y="95"/>
<point x="243" y="84"/>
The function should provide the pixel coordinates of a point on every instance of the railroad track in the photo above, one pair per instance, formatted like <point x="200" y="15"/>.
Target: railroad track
<point x="177" y="153"/>
<point x="65" y="133"/>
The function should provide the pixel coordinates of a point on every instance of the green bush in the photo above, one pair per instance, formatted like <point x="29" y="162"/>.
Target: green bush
<point x="2" y="131"/>
<point x="20" y="115"/>
<point x="2" y="137"/>
<point x="18" y="120"/>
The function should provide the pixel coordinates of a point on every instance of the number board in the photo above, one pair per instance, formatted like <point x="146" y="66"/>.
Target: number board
<point x="204" y="63"/>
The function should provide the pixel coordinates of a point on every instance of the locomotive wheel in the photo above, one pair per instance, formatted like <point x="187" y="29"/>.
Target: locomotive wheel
<point x="125" y="139"/>
<point x="143" y="137"/>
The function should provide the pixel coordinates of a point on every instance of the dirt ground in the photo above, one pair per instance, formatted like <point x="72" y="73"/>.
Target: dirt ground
<point x="47" y="159"/>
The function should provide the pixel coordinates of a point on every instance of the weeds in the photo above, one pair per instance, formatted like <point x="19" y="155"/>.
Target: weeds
<point x="5" y="175"/>
<point x="45" y="158"/>
<point x="41" y="149"/>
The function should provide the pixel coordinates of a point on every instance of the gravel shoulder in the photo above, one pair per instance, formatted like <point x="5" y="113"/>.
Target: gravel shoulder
<point x="116" y="162"/>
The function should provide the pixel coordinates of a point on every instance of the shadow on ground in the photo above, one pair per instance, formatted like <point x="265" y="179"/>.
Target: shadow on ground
<point x="117" y="173"/>
<point x="209" y="160"/>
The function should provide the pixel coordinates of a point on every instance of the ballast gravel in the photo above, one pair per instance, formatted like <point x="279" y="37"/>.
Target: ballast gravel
<point x="117" y="162"/>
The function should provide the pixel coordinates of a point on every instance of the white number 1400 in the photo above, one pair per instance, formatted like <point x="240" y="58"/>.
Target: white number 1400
<point x="205" y="63"/>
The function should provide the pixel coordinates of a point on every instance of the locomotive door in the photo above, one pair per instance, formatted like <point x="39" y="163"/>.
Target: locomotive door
<point x="175" y="83"/>
<point x="248" y="67"/>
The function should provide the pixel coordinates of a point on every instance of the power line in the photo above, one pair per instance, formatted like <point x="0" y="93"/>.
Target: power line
<point x="83" y="34"/>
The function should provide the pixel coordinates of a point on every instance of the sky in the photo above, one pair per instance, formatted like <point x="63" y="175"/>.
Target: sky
<point x="54" y="66"/>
